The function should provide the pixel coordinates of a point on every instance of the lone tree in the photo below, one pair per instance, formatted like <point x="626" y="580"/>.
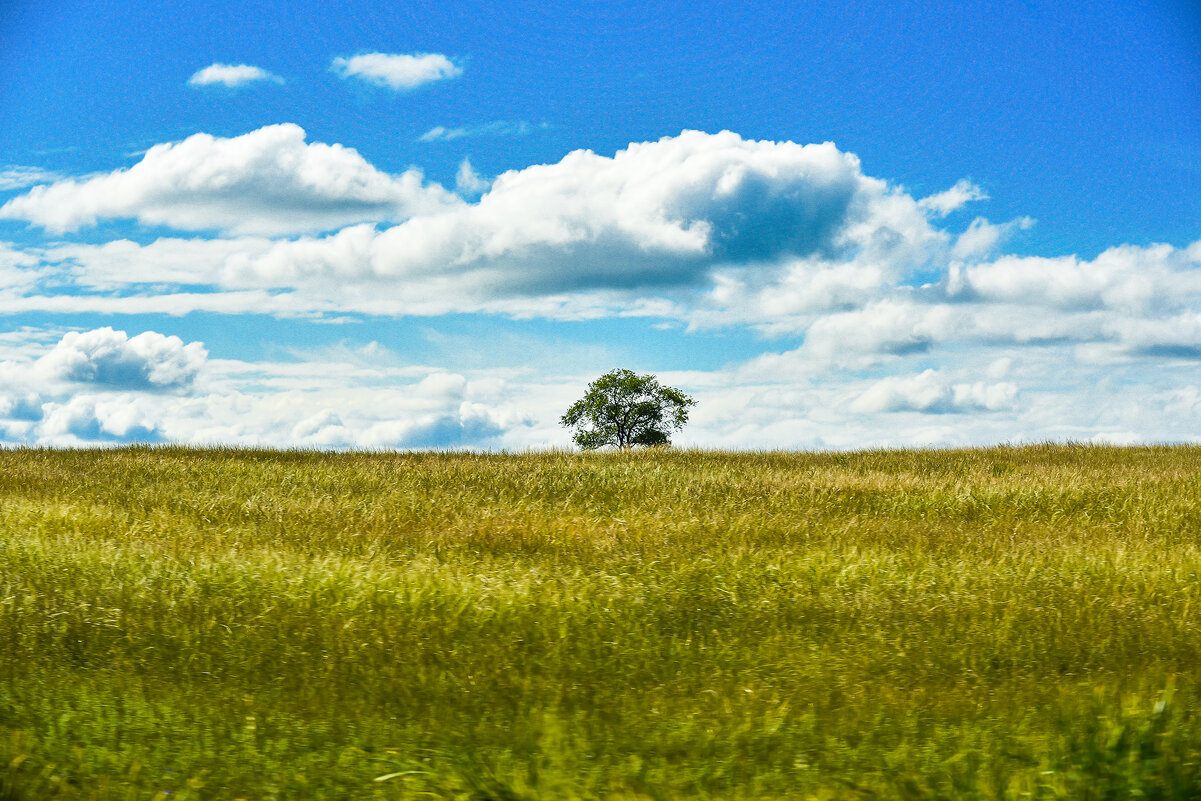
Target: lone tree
<point x="626" y="409"/>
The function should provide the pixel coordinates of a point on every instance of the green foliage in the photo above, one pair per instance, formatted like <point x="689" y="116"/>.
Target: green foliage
<point x="223" y="624"/>
<point x="624" y="409"/>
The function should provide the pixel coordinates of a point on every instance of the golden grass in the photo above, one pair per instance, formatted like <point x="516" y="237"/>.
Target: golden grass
<point x="1008" y="622"/>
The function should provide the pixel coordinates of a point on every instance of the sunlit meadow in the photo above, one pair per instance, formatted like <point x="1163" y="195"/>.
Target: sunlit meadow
<point x="221" y="624"/>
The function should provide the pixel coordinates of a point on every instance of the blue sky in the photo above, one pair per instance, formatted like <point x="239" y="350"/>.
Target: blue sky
<point x="413" y="225"/>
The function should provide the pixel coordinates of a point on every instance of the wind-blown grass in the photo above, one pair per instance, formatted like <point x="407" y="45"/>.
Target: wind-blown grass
<point x="204" y="624"/>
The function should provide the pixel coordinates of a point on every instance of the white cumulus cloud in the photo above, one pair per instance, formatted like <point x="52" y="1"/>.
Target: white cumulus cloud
<point x="231" y="75"/>
<point x="269" y="181"/>
<point x="399" y="71"/>
<point x="776" y="229"/>
<point x="1126" y="278"/>
<point x="882" y="330"/>
<point x="656" y="214"/>
<point x="103" y="356"/>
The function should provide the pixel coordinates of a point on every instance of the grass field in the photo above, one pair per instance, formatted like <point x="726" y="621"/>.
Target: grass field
<point x="221" y="624"/>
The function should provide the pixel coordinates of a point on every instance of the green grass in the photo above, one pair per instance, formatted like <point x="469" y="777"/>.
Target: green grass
<point x="220" y="624"/>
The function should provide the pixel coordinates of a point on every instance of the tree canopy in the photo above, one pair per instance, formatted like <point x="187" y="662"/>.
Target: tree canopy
<point x="624" y="409"/>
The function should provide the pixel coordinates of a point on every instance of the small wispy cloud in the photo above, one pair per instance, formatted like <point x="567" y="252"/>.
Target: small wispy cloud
<point x="468" y="181"/>
<point x="398" y="71"/>
<point x="18" y="177"/>
<point x="231" y="75"/>
<point x="943" y="203"/>
<point x="982" y="237"/>
<point x="441" y="133"/>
